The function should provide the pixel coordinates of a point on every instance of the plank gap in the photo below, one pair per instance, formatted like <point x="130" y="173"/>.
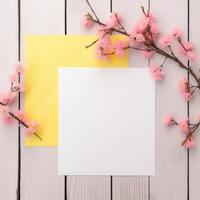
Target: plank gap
<point x="188" y="104"/>
<point x="19" y="105"/>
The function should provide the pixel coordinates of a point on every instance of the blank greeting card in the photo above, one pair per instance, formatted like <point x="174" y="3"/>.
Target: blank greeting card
<point x="106" y="121"/>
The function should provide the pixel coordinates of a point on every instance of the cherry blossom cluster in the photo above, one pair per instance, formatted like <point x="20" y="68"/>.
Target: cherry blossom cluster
<point x="146" y="38"/>
<point x="7" y="99"/>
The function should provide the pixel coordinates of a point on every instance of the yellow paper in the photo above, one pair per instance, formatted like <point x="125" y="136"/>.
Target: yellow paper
<point x="44" y="54"/>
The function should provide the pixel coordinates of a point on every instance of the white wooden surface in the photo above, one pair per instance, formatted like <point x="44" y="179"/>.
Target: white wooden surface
<point x="8" y="135"/>
<point x="194" y="156"/>
<point x="171" y="159"/>
<point x="39" y="180"/>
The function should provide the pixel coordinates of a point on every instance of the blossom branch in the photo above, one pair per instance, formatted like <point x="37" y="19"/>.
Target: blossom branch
<point x="24" y="124"/>
<point x="151" y="45"/>
<point x="8" y="98"/>
<point x="145" y="37"/>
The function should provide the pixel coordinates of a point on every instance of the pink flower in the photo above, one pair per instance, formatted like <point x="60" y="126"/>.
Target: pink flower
<point x="190" y="143"/>
<point x="103" y="31"/>
<point x="141" y="25"/>
<point x="176" y="33"/>
<point x="154" y="29"/>
<point x="168" y="120"/>
<point x="7" y="120"/>
<point x="4" y="98"/>
<point x="8" y="98"/>
<point x="151" y="18"/>
<point x="187" y="96"/>
<point x="30" y="131"/>
<point x="145" y="21"/>
<point x="135" y="39"/>
<point x="156" y="72"/>
<point x="103" y="48"/>
<point x="191" y="56"/>
<point x="184" y="89"/>
<point x="165" y="41"/>
<point x="120" y="48"/>
<point x="20" y="87"/>
<point x="114" y="21"/>
<point x="188" y="50"/>
<point x="12" y="96"/>
<point x="183" y="85"/>
<point x="13" y="77"/>
<point x="184" y="126"/>
<point x="20" y="68"/>
<point x="4" y="110"/>
<point x="147" y="54"/>
<point x="106" y="42"/>
<point x="21" y="115"/>
<point x="87" y="21"/>
<point x="33" y="126"/>
<point x="100" y="53"/>
<point x="139" y="38"/>
<point x="188" y="46"/>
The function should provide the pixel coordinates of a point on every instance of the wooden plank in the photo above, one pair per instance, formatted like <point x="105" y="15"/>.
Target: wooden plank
<point x="40" y="178"/>
<point x="170" y="181"/>
<point x="86" y="187"/>
<point x="8" y="134"/>
<point x="194" y="157"/>
<point x="127" y="188"/>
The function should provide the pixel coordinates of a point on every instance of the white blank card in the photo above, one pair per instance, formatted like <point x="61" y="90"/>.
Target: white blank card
<point x="106" y="121"/>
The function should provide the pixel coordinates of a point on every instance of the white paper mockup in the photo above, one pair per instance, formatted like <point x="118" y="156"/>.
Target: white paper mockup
<point x="106" y="121"/>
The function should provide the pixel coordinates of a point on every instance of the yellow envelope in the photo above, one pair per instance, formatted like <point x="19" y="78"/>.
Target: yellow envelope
<point x="44" y="54"/>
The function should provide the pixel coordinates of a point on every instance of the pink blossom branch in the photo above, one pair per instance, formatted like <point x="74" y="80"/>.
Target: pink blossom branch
<point x="24" y="124"/>
<point x="9" y="97"/>
<point x="19" y="120"/>
<point x="151" y="45"/>
<point x="143" y="39"/>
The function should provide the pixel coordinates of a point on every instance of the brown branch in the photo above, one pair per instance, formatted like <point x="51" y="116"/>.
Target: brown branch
<point x="94" y="42"/>
<point x="3" y="104"/>
<point x="111" y="29"/>
<point x="88" y="3"/>
<point x="24" y="124"/>
<point x="180" y="42"/>
<point x="150" y="44"/>
<point x="196" y="126"/>
<point x="118" y="21"/>
<point x="175" y="59"/>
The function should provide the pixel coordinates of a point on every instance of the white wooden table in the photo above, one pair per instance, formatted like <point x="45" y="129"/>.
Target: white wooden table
<point x="34" y="174"/>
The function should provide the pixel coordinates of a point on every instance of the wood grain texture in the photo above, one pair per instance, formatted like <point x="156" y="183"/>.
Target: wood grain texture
<point x="128" y="188"/>
<point x="170" y="181"/>
<point x="9" y="134"/>
<point x="86" y="187"/>
<point x="194" y="156"/>
<point x="40" y="180"/>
